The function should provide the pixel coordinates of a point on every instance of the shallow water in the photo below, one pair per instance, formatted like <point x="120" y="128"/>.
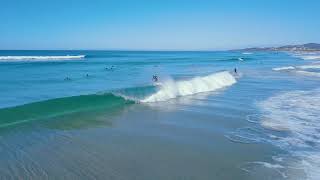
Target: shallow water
<point x="102" y="117"/>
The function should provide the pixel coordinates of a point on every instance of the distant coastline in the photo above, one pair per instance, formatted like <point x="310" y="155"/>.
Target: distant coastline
<point x="309" y="47"/>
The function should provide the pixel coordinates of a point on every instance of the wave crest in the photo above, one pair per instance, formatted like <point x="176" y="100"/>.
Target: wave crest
<point x="172" y="89"/>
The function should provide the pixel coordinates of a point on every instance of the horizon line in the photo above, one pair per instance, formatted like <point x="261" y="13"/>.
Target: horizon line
<point x="163" y="50"/>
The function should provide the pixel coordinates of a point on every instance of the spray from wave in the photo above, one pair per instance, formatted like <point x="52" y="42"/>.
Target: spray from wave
<point x="172" y="89"/>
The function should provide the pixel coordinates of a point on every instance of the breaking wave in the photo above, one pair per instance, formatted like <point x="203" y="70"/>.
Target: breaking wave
<point x="284" y="68"/>
<point x="114" y="99"/>
<point x="308" y="73"/>
<point x="312" y="66"/>
<point x="173" y="89"/>
<point x="308" y="56"/>
<point x="40" y="58"/>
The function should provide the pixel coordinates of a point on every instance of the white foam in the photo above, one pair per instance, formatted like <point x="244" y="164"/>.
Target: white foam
<point x="171" y="89"/>
<point x="247" y="53"/>
<point x="252" y="167"/>
<point x="301" y="69"/>
<point x="312" y="66"/>
<point x="308" y="73"/>
<point x="40" y="58"/>
<point x="311" y="57"/>
<point x="308" y="56"/>
<point x="296" y="112"/>
<point x="284" y="68"/>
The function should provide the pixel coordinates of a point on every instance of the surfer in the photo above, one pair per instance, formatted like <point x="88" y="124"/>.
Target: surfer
<point x="111" y="68"/>
<point x="67" y="79"/>
<point x="235" y="70"/>
<point x="155" y="78"/>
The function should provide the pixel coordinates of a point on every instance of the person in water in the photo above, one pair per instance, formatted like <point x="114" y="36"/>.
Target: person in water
<point x="235" y="70"/>
<point x="155" y="78"/>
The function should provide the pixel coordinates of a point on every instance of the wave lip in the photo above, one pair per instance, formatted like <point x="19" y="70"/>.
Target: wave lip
<point x="40" y="58"/>
<point x="171" y="89"/>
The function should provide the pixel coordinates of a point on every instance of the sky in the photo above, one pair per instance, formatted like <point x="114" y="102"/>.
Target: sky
<point x="157" y="24"/>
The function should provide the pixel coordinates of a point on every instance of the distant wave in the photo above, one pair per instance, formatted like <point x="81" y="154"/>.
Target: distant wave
<point x="312" y="66"/>
<point x="238" y="59"/>
<point x="302" y="70"/>
<point x="40" y="58"/>
<point x="308" y="73"/>
<point x="173" y="89"/>
<point x="308" y="56"/>
<point x="311" y="57"/>
<point x="284" y="68"/>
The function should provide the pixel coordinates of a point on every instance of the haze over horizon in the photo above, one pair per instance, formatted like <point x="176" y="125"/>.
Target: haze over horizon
<point x="156" y="25"/>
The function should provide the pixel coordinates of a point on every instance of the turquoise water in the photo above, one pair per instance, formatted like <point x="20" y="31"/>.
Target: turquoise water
<point x="98" y="114"/>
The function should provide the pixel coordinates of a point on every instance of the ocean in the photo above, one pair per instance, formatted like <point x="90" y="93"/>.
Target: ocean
<point x="100" y="115"/>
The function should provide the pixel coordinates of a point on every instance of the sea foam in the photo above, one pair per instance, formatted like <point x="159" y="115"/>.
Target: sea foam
<point x="297" y="113"/>
<point x="172" y="89"/>
<point x="308" y="56"/>
<point x="301" y="70"/>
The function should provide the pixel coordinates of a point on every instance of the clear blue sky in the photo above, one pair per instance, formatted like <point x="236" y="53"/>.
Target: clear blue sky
<point x="157" y="24"/>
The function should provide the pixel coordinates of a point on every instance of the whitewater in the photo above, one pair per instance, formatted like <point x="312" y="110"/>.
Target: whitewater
<point x="40" y="58"/>
<point x="172" y="89"/>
